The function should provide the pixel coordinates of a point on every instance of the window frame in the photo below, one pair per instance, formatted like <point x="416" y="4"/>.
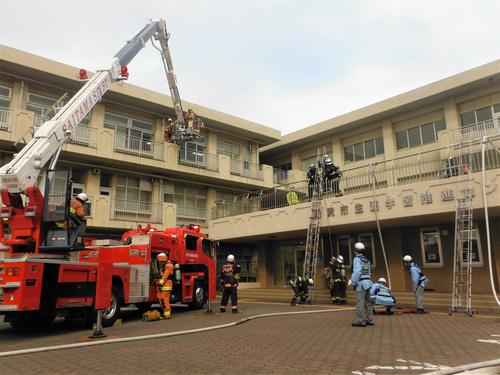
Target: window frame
<point x="477" y="237"/>
<point x="6" y="98"/>
<point x="434" y="229"/>
<point x="405" y="134"/>
<point x="349" y="248"/>
<point x="363" y="145"/>
<point x="373" y="261"/>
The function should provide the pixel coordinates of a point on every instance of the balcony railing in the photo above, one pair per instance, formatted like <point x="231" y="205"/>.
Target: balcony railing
<point x="199" y="159"/>
<point x="138" y="146"/>
<point x="85" y="136"/>
<point x="192" y="212"/>
<point x="136" y="211"/>
<point x="476" y="131"/>
<point x="247" y="169"/>
<point x="406" y="170"/>
<point x="5" y="115"/>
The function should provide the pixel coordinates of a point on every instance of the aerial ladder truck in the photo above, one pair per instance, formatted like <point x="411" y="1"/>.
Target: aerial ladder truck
<point x="38" y="278"/>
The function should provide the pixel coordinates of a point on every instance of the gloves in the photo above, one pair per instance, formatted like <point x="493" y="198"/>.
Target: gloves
<point x="349" y="282"/>
<point x="161" y="282"/>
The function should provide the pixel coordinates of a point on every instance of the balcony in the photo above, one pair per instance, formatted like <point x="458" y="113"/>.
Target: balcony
<point x="85" y="136"/>
<point x="476" y="131"/>
<point x="136" y="211"/>
<point x="435" y="165"/>
<point x="280" y="176"/>
<point x="138" y="146"/>
<point x="199" y="159"/>
<point x="246" y="169"/>
<point x="5" y="115"/>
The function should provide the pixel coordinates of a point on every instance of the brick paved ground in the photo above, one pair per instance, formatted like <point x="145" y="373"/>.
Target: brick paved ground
<point x="322" y="343"/>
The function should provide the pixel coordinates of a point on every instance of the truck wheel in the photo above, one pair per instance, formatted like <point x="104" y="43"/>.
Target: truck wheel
<point x="199" y="297"/>
<point x="110" y="315"/>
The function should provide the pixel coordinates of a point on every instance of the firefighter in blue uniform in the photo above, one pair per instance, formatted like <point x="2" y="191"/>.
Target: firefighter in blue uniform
<point x="382" y="296"/>
<point x="419" y="282"/>
<point x="230" y="274"/>
<point x="361" y="281"/>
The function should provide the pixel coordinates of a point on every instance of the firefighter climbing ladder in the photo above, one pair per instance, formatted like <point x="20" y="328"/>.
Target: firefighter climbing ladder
<point x="312" y="243"/>
<point x="462" y="264"/>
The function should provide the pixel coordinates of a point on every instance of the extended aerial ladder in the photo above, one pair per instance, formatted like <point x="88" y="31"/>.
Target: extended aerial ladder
<point x="20" y="177"/>
<point x="464" y="230"/>
<point x="313" y="231"/>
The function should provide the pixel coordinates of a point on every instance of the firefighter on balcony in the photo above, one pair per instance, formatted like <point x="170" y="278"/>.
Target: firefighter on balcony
<point x="311" y="179"/>
<point x="337" y="290"/>
<point x="230" y="274"/>
<point x="331" y="174"/>
<point x="165" y="283"/>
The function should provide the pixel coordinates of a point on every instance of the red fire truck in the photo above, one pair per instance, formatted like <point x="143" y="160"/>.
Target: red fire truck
<point x="54" y="270"/>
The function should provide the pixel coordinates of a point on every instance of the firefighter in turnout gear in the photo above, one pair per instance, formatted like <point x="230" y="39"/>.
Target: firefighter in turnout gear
<point x="300" y="288"/>
<point x="337" y="288"/>
<point x="230" y="274"/>
<point x="165" y="283"/>
<point x="419" y="282"/>
<point x="362" y="283"/>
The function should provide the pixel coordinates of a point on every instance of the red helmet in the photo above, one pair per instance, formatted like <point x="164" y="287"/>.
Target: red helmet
<point x="162" y="257"/>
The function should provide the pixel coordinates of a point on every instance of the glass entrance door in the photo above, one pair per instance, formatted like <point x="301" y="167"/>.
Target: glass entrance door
<point x="293" y="263"/>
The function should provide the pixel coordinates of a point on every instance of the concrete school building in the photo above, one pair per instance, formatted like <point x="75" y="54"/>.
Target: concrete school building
<point x="399" y="159"/>
<point x="405" y="161"/>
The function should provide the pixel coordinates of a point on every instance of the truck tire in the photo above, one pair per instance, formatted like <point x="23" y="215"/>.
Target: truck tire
<point x="199" y="296"/>
<point x="110" y="315"/>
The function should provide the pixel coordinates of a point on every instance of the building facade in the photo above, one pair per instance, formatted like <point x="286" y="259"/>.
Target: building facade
<point x="118" y="155"/>
<point x="405" y="161"/>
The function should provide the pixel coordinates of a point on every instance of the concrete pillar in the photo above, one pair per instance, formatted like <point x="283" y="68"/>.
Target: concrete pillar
<point x="451" y="115"/>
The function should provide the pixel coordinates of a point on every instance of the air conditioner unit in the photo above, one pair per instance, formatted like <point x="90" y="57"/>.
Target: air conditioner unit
<point x="96" y="171"/>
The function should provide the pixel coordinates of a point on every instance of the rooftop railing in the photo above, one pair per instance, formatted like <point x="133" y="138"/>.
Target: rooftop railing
<point x="426" y="166"/>
<point x="5" y="118"/>
<point x="247" y="169"/>
<point x="476" y="131"/>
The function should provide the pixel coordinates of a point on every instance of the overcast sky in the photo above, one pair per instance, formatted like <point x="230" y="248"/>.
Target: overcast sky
<point x="281" y="63"/>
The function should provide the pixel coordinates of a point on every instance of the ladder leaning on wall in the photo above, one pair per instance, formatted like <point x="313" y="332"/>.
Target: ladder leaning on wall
<point x="462" y="259"/>
<point x="313" y="231"/>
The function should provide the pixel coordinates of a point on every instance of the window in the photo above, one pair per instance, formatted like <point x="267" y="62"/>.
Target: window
<point x="206" y="247"/>
<point x="306" y="163"/>
<point x="193" y="151"/>
<point x="130" y="133"/>
<point x="430" y="242"/>
<point x="478" y="115"/>
<point x="364" y="150"/>
<point x="345" y="247"/>
<point x="191" y="200"/>
<point x="419" y="135"/>
<point x="5" y="97"/>
<point x="105" y="183"/>
<point x="476" y="252"/>
<point x="230" y="149"/>
<point x="191" y="242"/>
<point x="133" y="194"/>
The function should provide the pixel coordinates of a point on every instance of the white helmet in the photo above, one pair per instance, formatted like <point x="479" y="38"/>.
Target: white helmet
<point x="359" y="246"/>
<point x="407" y="259"/>
<point x="311" y="282"/>
<point x="230" y="258"/>
<point x="82" y="197"/>
<point x="340" y="258"/>
<point x="382" y="280"/>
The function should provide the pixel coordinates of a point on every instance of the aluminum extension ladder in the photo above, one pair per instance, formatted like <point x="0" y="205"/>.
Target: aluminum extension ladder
<point x="462" y="260"/>
<point x="313" y="231"/>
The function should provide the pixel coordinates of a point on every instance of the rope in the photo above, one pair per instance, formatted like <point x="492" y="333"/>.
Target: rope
<point x="486" y="217"/>
<point x="372" y="170"/>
